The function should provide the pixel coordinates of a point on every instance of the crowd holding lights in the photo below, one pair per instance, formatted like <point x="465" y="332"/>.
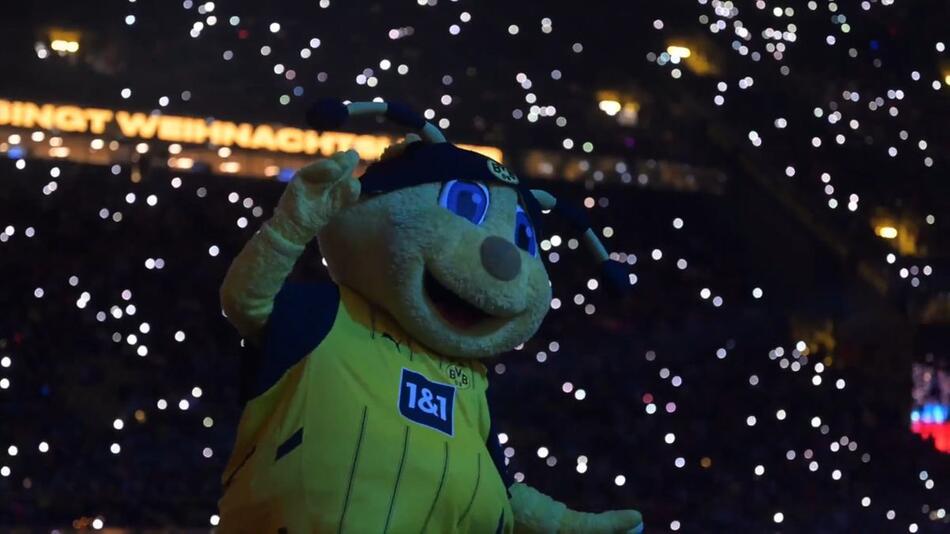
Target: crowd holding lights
<point x="834" y="115"/>
<point x="777" y="44"/>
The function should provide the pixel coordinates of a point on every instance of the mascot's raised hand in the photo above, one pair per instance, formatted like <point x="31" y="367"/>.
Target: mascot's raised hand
<point x="366" y="397"/>
<point x="316" y="193"/>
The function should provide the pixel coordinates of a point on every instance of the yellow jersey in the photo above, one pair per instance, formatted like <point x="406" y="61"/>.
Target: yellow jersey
<point x="356" y="428"/>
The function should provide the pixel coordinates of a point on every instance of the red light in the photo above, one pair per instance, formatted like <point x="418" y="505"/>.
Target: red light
<point x="939" y="432"/>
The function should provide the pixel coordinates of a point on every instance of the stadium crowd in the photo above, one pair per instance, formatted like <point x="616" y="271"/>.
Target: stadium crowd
<point x="643" y="402"/>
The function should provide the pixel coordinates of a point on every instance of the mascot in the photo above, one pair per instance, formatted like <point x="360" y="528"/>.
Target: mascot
<point x="368" y="411"/>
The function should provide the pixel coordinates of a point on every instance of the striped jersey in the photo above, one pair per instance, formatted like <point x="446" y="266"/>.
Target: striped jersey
<point x="354" y="427"/>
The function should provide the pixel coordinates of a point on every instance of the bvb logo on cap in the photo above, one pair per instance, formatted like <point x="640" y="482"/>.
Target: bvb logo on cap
<point x="502" y="173"/>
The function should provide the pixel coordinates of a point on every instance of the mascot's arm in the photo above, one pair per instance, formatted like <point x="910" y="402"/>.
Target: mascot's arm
<point x="316" y="193"/>
<point x="535" y="512"/>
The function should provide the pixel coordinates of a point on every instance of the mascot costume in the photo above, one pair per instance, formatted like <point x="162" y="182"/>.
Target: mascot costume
<point x="368" y="412"/>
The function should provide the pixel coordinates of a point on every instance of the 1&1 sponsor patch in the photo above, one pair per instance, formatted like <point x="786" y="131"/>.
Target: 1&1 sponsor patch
<point x="427" y="403"/>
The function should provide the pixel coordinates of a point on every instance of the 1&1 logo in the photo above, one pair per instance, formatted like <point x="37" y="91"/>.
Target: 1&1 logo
<point x="427" y="403"/>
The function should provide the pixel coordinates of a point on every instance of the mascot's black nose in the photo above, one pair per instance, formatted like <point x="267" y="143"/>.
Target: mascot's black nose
<point x="500" y="258"/>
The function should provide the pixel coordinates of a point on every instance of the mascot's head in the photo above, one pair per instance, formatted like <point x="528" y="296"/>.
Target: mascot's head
<point x="445" y="240"/>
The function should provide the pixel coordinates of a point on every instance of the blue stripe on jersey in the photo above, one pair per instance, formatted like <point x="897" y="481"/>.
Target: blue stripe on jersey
<point x="289" y="444"/>
<point x="302" y="317"/>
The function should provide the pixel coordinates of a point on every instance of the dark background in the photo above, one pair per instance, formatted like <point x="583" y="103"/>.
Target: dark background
<point x="821" y="269"/>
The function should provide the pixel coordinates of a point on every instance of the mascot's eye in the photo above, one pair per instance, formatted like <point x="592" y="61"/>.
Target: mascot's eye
<point x="524" y="233"/>
<point x="465" y="199"/>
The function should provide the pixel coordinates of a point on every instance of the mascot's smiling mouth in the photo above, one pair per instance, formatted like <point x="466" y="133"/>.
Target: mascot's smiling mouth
<point x="454" y="309"/>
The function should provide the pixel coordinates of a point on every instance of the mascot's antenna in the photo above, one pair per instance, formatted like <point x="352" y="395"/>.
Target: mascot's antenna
<point x="612" y="272"/>
<point x="330" y="113"/>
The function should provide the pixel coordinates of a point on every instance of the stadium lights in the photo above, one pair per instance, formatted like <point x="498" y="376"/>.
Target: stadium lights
<point x="901" y="232"/>
<point x="887" y="232"/>
<point x="181" y="163"/>
<point x="229" y="167"/>
<point x="59" y="152"/>
<point x="610" y="107"/>
<point x="629" y="115"/>
<point x="624" y="107"/>
<point x="697" y="53"/>
<point x="679" y="51"/>
<point x="64" y="41"/>
<point x="63" y="46"/>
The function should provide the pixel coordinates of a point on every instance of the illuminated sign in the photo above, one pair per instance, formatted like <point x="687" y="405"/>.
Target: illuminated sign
<point x="196" y="130"/>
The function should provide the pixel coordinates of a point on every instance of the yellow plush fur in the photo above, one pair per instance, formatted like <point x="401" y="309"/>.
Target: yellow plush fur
<point x="381" y="247"/>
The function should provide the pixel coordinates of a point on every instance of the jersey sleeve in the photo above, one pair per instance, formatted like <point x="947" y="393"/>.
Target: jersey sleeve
<point x="302" y="317"/>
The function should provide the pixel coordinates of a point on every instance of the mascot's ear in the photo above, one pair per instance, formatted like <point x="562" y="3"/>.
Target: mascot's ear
<point x="396" y="149"/>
